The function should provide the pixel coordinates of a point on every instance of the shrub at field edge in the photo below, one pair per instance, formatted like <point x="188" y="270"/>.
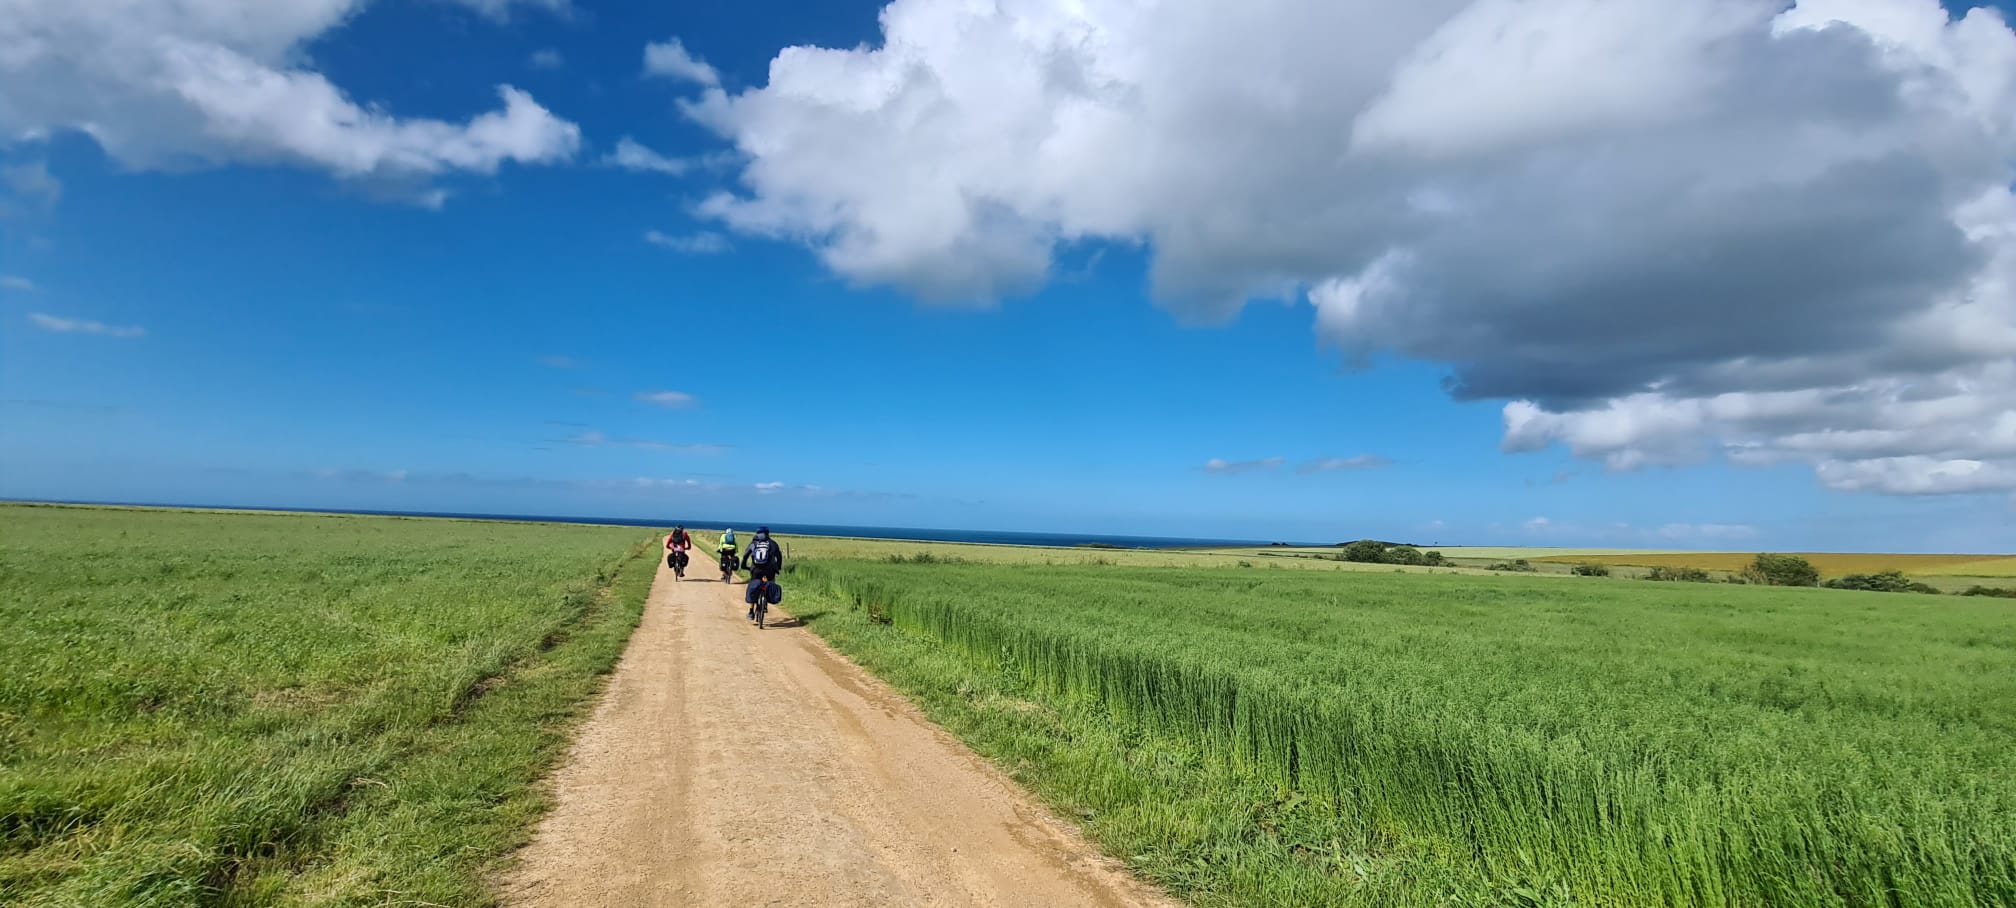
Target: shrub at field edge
<point x="1882" y="582"/>
<point x="1771" y="569"/>
<point x="1373" y="551"/>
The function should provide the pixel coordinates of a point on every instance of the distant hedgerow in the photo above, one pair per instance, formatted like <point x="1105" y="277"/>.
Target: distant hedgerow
<point x="1364" y="551"/>
<point x="1883" y="582"/>
<point x="2003" y="592"/>
<point x="1373" y="551"/>
<point x="1405" y="554"/>
<point x="923" y="558"/>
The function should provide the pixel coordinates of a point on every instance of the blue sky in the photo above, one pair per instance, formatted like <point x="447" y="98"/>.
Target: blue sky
<point x="1180" y="322"/>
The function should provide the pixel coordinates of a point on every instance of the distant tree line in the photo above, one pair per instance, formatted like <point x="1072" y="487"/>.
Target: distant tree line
<point x="1665" y="574"/>
<point x="1771" y="569"/>
<point x="1767" y="569"/>
<point x="1781" y="570"/>
<point x="1373" y="551"/>
<point x="1884" y="582"/>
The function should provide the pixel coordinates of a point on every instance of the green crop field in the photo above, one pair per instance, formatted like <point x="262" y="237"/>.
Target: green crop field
<point x="203" y="709"/>
<point x="1379" y="739"/>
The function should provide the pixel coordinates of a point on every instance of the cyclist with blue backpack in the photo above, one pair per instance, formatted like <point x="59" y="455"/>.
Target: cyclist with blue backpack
<point x="763" y="560"/>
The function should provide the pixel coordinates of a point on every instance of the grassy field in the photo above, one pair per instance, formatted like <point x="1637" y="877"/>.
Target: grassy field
<point x="209" y="709"/>
<point x="217" y="709"/>
<point x="1308" y="738"/>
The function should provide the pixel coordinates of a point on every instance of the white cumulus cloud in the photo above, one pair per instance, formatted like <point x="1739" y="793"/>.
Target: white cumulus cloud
<point x="1919" y="475"/>
<point x="222" y="81"/>
<point x="1767" y="231"/>
<point x="671" y="60"/>
<point x="633" y="155"/>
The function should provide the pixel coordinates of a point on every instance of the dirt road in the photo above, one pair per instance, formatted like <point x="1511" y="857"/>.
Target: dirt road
<point x="731" y="766"/>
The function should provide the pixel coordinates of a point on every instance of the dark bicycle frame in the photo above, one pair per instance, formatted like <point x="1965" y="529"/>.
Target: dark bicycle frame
<point x="762" y="605"/>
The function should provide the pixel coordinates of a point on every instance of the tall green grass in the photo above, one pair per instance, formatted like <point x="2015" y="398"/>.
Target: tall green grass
<point x="1506" y="741"/>
<point x="233" y="709"/>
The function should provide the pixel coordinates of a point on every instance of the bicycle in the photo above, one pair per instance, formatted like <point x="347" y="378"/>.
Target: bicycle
<point x="761" y="609"/>
<point x="677" y="561"/>
<point x="728" y="565"/>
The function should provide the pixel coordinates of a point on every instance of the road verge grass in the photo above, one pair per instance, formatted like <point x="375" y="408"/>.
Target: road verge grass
<point x="204" y="709"/>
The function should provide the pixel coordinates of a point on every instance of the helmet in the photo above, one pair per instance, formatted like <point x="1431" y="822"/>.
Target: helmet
<point x="762" y="531"/>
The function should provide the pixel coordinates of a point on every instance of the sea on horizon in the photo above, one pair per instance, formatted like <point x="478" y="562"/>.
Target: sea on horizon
<point x="913" y="534"/>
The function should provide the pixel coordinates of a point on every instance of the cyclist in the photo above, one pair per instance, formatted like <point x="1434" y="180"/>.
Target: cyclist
<point x="678" y="545"/>
<point x="726" y="551"/>
<point x="763" y="560"/>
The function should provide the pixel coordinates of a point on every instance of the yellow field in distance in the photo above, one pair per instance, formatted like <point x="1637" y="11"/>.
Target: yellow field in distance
<point x="1537" y="553"/>
<point x="1315" y="558"/>
<point x="877" y="549"/>
<point x="2001" y="566"/>
<point x="1830" y="564"/>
